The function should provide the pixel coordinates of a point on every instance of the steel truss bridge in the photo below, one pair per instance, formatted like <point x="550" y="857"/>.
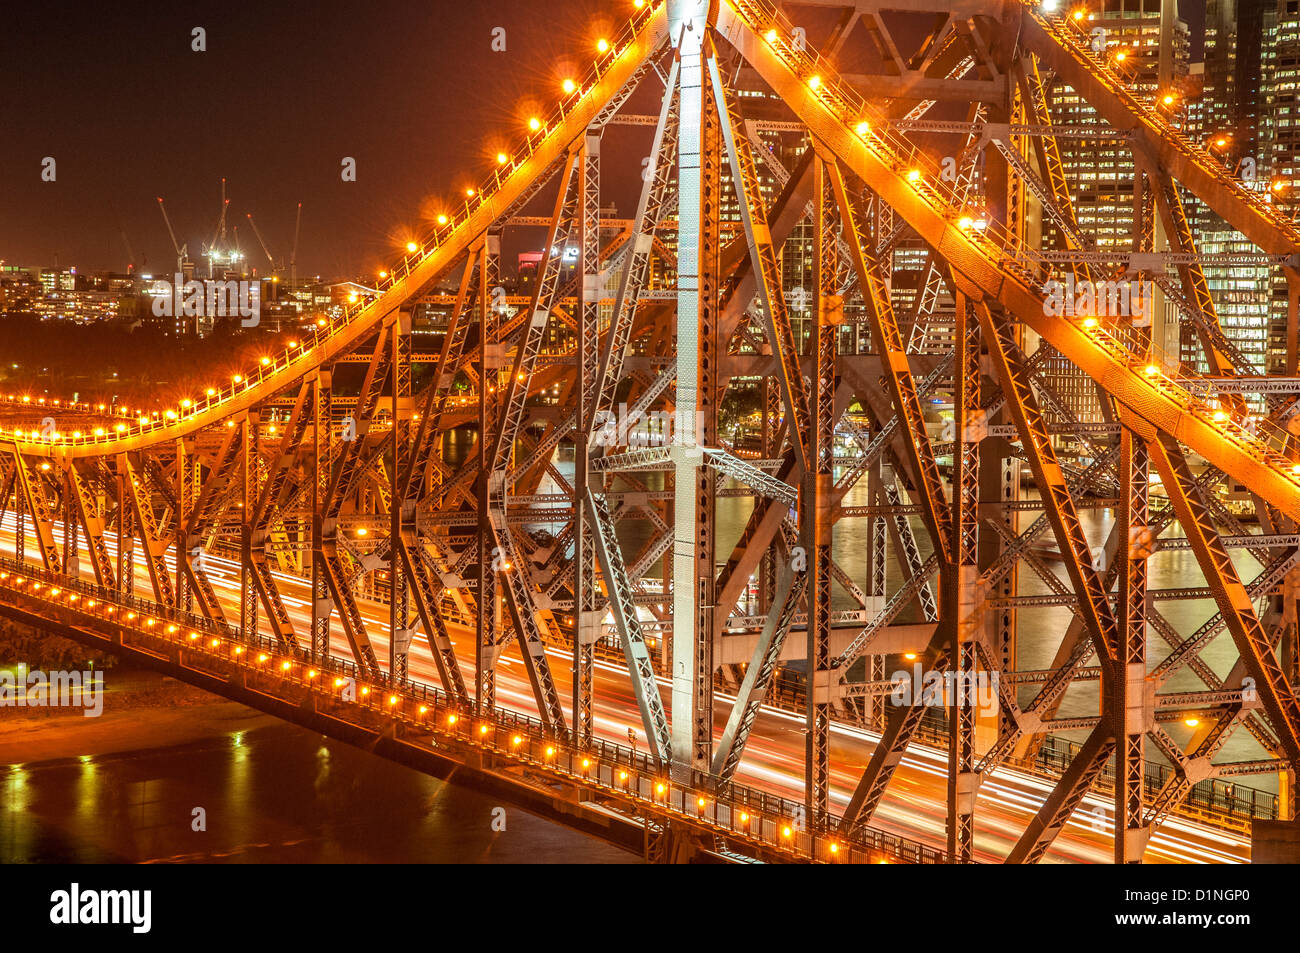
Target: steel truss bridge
<point x="322" y="470"/>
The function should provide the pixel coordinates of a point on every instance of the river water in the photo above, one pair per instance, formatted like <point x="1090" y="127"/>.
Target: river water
<point x="273" y="794"/>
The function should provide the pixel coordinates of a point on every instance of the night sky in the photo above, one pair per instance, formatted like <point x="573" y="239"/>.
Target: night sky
<point x="412" y="91"/>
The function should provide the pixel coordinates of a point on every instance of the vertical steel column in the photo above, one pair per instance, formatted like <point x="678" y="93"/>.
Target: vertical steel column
<point x="815" y="528"/>
<point x="962" y="583"/>
<point x="322" y="441"/>
<point x="184" y="505"/>
<point x="485" y="628"/>
<point x="20" y="522"/>
<point x="878" y="569"/>
<point x="687" y="26"/>
<point x="399" y="595"/>
<point x="586" y="618"/>
<point x="71" y="565"/>
<point x="248" y="503"/>
<point x="125" y="533"/>
<point x="1128" y="693"/>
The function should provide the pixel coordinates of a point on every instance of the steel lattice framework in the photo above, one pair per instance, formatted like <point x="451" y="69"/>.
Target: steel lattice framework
<point x="349" y="487"/>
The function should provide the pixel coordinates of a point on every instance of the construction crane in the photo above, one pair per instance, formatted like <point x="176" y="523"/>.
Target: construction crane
<point x="219" y="249"/>
<point x="182" y="251"/>
<point x="260" y="240"/>
<point x="130" y="252"/>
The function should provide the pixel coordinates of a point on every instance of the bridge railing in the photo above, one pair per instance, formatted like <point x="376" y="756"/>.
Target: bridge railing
<point x="749" y="814"/>
<point x="1257" y="436"/>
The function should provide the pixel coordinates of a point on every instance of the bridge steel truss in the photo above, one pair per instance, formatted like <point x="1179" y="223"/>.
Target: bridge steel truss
<point x="328" y="461"/>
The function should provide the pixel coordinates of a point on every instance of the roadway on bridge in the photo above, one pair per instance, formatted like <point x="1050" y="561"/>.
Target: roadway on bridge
<point x="914" y="806"/>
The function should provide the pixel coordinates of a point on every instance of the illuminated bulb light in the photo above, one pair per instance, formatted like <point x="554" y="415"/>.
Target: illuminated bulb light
<point x="452" y="719"/>
<point x="1078" y="14"/>
<point x="352" y="298"/>
<point x="1120" y="56"/>
<point x="786" y="832"/>
<point x="965" y="223"/>
<point x="502" y="158"/>
<point x="1296" y="468"/>
<point x="1168" y="99"/>
<point x="602" y="45"/>
<point x="1089" y="323"/>
<point x="862" y="128"/>
<point x="835" y="848"/>
<point x="423" y="709"/>
<point x="1191" y="722"/>
<point x="770" y="36"/>
<point x="569" y="86"/>
<point x="311" y="673"/>
<point x="550" y="752"/>
<point x="814" y="82"/>
<point x="638" y="4"/>
<point x="411" y="247"/>
<point x="516" y="741"/>
<point x="469" y="193"/>
<point x="392" y="699"/>
<point x="914" y="175"/>
<point x="285" y="666"/>
<point x="534" y="124"/>
<point x="622" y="775"/>
<point x="442" y="219"/>
<point x="211" y="392"/>
<point x="482" y="729"/>
<point x="910" y="656"/>
<point x="265" y="361"/>
<point x="1150" y="370"/>
<point x="238" y="378"/>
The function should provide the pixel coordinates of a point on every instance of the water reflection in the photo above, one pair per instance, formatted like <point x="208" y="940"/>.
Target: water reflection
<point x="270" y="795"/>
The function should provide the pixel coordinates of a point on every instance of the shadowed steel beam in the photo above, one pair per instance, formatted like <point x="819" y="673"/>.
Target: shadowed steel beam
<point x="1230" y="595"/>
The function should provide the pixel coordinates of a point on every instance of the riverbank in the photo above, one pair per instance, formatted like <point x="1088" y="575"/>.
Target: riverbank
<point x="142" y="709"/>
